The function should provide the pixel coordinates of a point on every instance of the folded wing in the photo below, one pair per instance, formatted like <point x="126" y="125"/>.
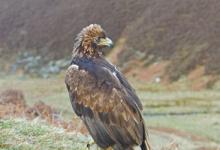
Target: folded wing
<point x="109" y="110"/>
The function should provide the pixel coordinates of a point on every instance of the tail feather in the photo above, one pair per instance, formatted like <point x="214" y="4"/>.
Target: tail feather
<point x="145" y="145"/>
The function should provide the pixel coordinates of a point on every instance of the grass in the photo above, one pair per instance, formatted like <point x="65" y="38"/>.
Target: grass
<point x="20" y="134"/>
<point x="51" y="91"/>
<point x="205" y="125"/>
<point x="194" y="112"/>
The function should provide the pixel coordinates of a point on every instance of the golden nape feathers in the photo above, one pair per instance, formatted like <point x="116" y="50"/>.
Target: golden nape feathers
<point x="91" y="40"/>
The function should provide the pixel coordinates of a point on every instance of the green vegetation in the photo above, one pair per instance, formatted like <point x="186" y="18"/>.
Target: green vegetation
<point x="205" y="125"/>
<point x="196" y="113"/>
<point x="20" y="134"/>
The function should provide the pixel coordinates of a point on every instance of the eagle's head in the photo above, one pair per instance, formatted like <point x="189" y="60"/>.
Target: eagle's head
<point x="91" y="40"/>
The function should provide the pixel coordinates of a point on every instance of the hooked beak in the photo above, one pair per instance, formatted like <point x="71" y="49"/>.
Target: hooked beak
<point x="106" y="42"/>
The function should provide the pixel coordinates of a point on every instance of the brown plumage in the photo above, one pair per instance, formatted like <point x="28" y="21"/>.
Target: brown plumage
<point x="101" y="96"/>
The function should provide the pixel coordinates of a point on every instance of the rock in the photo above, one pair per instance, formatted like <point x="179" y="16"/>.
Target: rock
<point x="37" y="66"/>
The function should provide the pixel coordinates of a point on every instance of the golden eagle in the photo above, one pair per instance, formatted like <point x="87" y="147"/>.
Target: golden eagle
<point x="101" y="96"/>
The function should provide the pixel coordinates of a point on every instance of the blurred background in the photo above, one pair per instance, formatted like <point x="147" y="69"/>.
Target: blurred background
<point x="168" y="50"/>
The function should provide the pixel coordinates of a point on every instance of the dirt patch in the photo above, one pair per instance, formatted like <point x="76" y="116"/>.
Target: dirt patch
<point x="172" y="139"/>
<point x="181" y="134"/>
<point x="152" y="73"/>
<point x="196" y="73"/>
<point x="113" y="56"/>
<point x="199" y="80"/>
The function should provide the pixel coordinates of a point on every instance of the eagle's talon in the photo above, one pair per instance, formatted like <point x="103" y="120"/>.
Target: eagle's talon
<point x="90" y="144"/>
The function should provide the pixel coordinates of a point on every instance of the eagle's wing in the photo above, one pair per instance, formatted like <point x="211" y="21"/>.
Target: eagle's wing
<point x="108" y="110"/>
<point x="123" y="81"/>
<point x="129" y="89"/>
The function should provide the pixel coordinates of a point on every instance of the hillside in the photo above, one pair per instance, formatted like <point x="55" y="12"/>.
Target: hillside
<point x="185" y="34"/>
<point x="49" y="26"/>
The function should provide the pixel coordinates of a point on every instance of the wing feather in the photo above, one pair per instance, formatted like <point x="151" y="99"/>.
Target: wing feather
<point x="100" y="98"/>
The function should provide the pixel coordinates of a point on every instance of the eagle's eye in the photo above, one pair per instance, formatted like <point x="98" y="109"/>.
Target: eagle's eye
<point x="96" y="40"/>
